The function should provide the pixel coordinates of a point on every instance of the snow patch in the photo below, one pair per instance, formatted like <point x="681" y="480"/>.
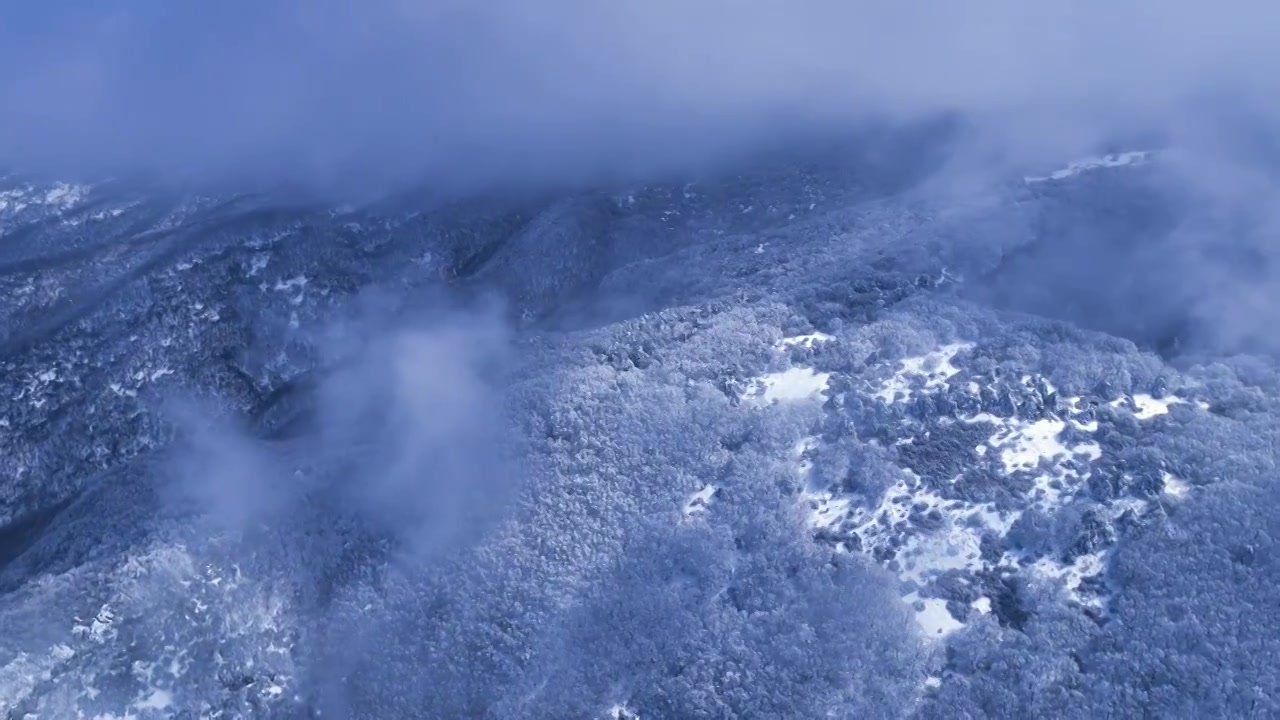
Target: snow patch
<point x="299" y="281"/>
<point x="22" y="675"/>
<point x="158" y="699"/>
<point x="1175" y="486"/>
<point x="805" y="341"/>
<point x="622" y="712"/>
<point x="698" y="502"/>
<point x="1028" y="445"/>
<point x="792" y="384"/>
<point x="917" y="532"/>
<point x="954" y="543"/>
<point x="59" y="196"/>
<point x="936" y="368"/>
<point x="259" y="263"/>
<point x="933" y="617"/>
<point x="826" y="510"/>
<point x="1070" y="575"/>
<point x="920" y="529"/>
<point x="1111" y="160"/>
<point x="800" y="451"/>
<point x="159" y="654"/>
<point x="100" y="629"/>
<point x="1146" y="407"/>
<point x="64" y="195"/>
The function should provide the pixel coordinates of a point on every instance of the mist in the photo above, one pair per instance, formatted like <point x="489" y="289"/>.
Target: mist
<point x="347" y="98"/>
<point x="406" y="438"/>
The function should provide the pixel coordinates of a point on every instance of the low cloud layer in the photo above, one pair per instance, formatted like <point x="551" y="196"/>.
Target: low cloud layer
<point x="463" y="94"/>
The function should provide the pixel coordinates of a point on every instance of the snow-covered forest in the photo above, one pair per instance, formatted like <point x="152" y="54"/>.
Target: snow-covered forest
<point x="804" y="440"/>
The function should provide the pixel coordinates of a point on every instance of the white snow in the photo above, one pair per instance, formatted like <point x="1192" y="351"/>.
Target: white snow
<point x="1077" y="167"/>
<point x="806" y="341"/>
<point x="800" y="452"/>
<point x="298" y="281"/>
<point x="954" y="548"/>
<point x="239" y="607"/>
<point x="794" y="383"/>
<point x="1146" y="407"/>
<point x="1070" y="575"/>
<point x="259" y="263"/>
<point x="100" y="629"/>
<point x="273" y="690"/>
<point x="108" y="213"/>
<point x="956" y="544"/>
<point x="826" y="510"/>
<point x="933" y="617"/>
<point x="1175" y="486"/>
<point x="621" y="712"/>
<point x="158" y="699"/>
<point x="1025" y="445"/>
<point x="159" y="373"/>
<point x="697" y="502"/>
<point x="64" y="195"/>
<point x="916" y="529"/>
<point x="62" y="652"/>
<point x="935" y="367"/>
<point x="20" y="677"/>
<point x="60" y="196"/>
<point x="797" y="383"/>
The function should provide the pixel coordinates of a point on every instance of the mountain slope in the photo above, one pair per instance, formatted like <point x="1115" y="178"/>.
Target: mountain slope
<point x="782" y="444"/>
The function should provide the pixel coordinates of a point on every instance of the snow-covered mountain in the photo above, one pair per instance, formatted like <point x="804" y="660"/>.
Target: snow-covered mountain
<point x="804" y="441"/>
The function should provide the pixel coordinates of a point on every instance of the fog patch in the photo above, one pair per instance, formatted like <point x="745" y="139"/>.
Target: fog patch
<point x="418" y="421"/>
<point x="406" y="438"/>
<point x="218" y="471"/>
